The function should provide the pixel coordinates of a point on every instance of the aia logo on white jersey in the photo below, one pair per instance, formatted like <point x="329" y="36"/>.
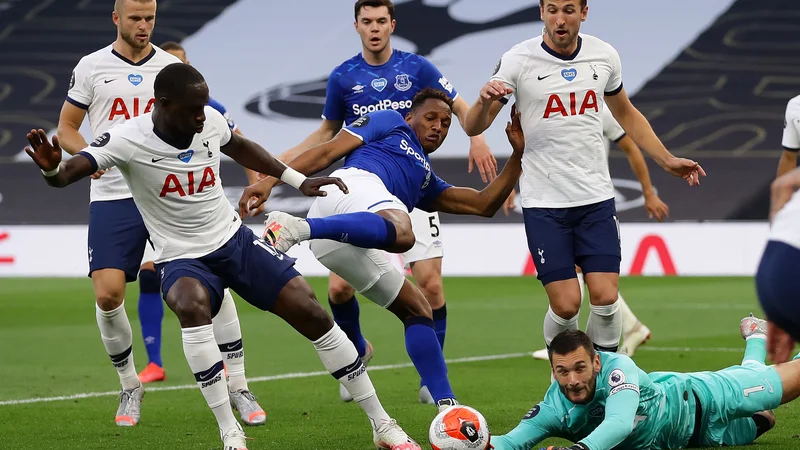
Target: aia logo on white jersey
<point x="568" y="105"/>
<point x="172" y="184"/>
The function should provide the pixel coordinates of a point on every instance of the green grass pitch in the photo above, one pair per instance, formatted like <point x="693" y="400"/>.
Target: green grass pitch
<point x="50" y="347"/>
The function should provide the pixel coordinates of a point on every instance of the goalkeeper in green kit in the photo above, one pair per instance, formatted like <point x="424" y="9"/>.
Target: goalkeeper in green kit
<point x="603" y="401"/>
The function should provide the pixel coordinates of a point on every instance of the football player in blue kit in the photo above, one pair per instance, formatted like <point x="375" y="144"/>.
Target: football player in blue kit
<point x="381" y="78"/>
<point x="388" y="174"/>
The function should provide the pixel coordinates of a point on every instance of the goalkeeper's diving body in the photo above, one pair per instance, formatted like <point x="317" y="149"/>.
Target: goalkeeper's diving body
<point x="602" y="400"/>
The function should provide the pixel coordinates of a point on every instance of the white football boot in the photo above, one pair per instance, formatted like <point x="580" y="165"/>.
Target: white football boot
<point x="130" y="406"/>
<point x="633" y="340"/>
<point x="284" y="230"/>
<point x="234" y="439"/>
<point x="389" y="436"/>
<point x="752" y="325"/>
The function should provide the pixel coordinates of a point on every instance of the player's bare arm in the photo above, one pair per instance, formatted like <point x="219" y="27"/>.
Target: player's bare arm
<point x="47" y="156"/>
<point x="479" y="153"/>
<point x="635" y="125"/>
<point x="69" y="124"/>
<point x="652" y="203"/>
<point x="253" y="156"/>
<point x="318" y="158"/>
<point x="485" y="110"/>
<point x="486" y="202"/>
<point x="788" y="162"/>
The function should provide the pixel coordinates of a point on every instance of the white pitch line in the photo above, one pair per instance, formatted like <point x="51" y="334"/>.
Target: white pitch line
<point x="288" y="376"/>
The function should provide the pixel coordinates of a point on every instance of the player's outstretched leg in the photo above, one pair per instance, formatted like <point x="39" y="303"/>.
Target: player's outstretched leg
<point x="384" y="230"/>
<point x="115" y="330"/>
<point x="346" y="314"/>
<point x="151" y="314"/>
<point x="191" y="301"/>
<point x="298" y="306"/>
<point x="634" y="332"/>
<point x="228" y="335"/>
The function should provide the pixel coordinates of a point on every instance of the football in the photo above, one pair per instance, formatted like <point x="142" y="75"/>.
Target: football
<point x="459" y="428"/>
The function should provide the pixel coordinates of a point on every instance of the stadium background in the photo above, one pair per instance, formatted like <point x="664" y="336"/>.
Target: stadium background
<point x="707" y="75"/>
<point x="713" y="77"/>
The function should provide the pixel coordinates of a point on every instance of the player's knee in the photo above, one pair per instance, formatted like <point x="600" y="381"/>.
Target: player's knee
<point x="566" y="309"/>
<point x="410" y="302"/>
<point x="431" y="288"/>
<point x="148" y="281"/>
<point x="109" y="297"/>
<point x="190" y="302"/>
<point x="339" y="291"/>
<point x="405" y="237"/>
<point x="603" y="297"/>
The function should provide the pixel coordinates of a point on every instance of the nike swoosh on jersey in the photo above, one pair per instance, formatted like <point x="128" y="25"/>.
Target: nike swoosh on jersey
<point x="158" y="159"/>
<point x="108" y="81"/>
<point x="542" y="78"/>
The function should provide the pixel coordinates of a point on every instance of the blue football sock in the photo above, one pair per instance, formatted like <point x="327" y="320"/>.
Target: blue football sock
<point x="422" y="346"/>
<point x="361" y="229"/>
<point x="346" y="316"/>
<point x="151" y="313"/>
<point x="440" y="324"/>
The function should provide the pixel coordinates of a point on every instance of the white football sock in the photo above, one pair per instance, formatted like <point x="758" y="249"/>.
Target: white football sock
<point x="228" y="335"/>
<point x="629" y="320"/>
<point x="554" y="324"/>
<point x="605" y="326"/>
<point x="582" y="285"/>
<point x="115" y="329"/>
<point x="203" y="357"/>
<point x="340" y="357"/>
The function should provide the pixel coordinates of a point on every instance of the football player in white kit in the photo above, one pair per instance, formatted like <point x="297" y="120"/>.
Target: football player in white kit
<point x="112" y="85"/>
<point x="560" y="80"/>
<point x="634" y="332"/>
<point x="170" y="160"/>
<point x="778" y="271"/>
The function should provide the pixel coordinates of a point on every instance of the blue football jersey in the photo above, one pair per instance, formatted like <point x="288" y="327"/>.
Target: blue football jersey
<point x="218" y="106"/>
<point x="392" y="151"/>
<point x="356" y="88"/>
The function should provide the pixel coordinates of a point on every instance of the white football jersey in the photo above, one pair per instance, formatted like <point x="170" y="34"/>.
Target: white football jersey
<point x="560" y="99"/>
<point x="791" y="125"/>
<point x="612" y="130"/>
<point x="178" y="191"/>
<point x="113" y="89"/>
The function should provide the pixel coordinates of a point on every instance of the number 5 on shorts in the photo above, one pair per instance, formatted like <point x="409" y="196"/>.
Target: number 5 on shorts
<point x="434" y="226"/>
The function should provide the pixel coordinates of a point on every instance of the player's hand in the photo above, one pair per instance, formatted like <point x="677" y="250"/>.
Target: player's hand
<point x="98" y="174"/>
<point x="493" y="91"/>
<point x="251" y="203"/>
<point x="310" y="187"/>
<point x="656" y="209"/>
<point x="510" y="203"/>
<point x="686" y="169"/>
<point x="779" y="344"/>
<point x="514" y="131"/>
<point x="781" y="190"/>
<point x="481" y="156"/>
<point x="46" y="155"/>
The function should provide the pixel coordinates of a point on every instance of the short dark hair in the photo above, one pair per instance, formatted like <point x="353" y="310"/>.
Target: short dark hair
<point x="568" y="341"/>
<point x="175" y="79"/>
<point x="171" y="45"/>
<point x="429" y="93"/>
<point x="374" y="4"/>
<point x="583" y="3"/>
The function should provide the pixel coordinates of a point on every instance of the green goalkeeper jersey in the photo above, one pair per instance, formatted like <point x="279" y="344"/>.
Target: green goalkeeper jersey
<point x="630" y="410"/>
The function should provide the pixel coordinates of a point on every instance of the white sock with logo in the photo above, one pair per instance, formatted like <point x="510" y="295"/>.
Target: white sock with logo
<point x="228" y="335"/>
<point x="340" y="357"/>
<point x="203" y="357"/>
<point x="115" y="329"/>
